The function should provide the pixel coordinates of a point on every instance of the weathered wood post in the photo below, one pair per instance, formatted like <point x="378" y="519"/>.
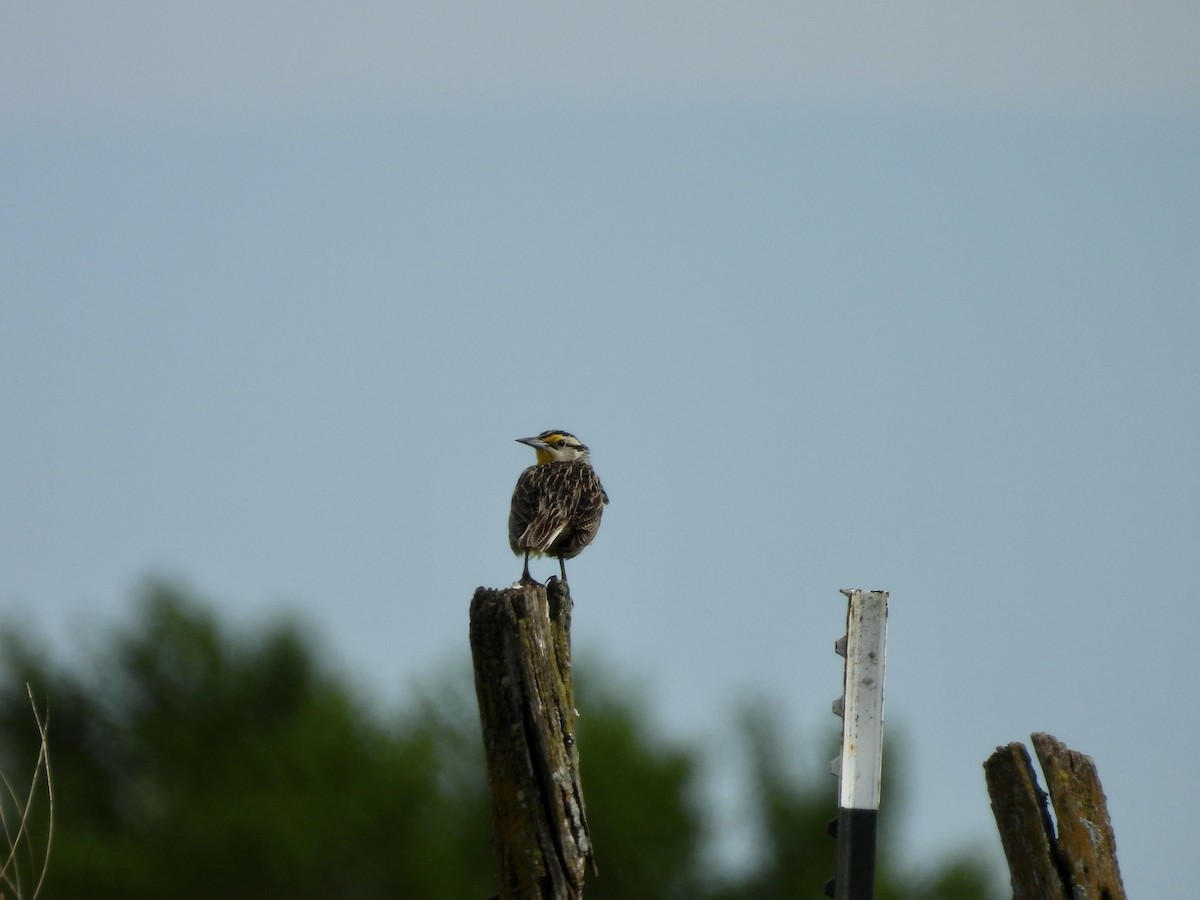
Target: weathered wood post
<point x="1081" y="862"/>
<point x="521" y="648"/>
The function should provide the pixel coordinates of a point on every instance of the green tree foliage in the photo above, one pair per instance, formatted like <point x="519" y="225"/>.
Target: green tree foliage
<point x="644" y="815"/>
<point x="795" y="852"/>
<point x="189" y="762"/>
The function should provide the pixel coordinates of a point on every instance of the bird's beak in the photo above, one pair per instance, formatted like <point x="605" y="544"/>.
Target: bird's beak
<point x="534" y="442"/>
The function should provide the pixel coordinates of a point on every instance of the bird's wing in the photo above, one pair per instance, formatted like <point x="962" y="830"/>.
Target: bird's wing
<point x="587" y="505"/>
<point x="547" y="500"/>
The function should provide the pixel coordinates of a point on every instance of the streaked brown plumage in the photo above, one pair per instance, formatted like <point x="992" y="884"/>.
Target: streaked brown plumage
<point x="557" y="503"/>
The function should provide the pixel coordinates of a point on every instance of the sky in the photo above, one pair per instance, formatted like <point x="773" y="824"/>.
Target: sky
<point x="892" y="297"/>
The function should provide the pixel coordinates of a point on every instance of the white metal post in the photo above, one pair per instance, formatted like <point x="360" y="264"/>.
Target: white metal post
<point x="859" y="767"/>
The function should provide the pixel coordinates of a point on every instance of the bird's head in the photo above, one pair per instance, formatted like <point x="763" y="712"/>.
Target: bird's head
<point x="556" y="446"/>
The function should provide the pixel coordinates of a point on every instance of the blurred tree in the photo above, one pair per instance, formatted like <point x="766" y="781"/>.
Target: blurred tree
<point x="795" y="852"/>
<point x="642" y="801"/>
<point x="192" y="763"/>
<point x="794" y="800"/>
<point x="189" y="764"/>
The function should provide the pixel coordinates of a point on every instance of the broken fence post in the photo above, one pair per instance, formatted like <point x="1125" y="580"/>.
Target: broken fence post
<point x="1080" y="862"/>
<point x="521" y="649"/>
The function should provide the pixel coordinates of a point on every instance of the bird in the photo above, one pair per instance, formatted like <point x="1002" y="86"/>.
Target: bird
<point x="557" y="503"/>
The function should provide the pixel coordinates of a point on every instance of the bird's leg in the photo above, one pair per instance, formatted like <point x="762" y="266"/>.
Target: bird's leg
<point x="526" y="578"/>
<point x="562" y="567"/>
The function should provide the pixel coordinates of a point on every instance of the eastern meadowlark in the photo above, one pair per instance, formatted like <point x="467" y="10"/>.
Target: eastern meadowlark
<point x="557" y="504"/>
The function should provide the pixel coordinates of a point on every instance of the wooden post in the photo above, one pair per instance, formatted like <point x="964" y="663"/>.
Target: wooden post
<point x="521" y="647"/>
<point x="1023" y="820"/>
<point x="1081" y="862"/>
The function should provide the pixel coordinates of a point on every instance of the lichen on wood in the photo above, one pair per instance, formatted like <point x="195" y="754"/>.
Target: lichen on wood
<point x="520" y="645"/>
<point x="1080" y="861"/>
<point x="1087" y="846"/>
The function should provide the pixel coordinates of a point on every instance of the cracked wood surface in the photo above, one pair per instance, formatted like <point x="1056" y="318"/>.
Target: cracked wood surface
<point x="521" y="648"/>
<point x="1080" y="861"/>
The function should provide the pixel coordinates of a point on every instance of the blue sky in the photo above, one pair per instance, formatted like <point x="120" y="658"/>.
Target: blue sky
<point x="881" y="298"/>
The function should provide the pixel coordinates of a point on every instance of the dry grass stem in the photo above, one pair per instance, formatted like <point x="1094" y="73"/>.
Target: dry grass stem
<point x="21" y="846"/>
